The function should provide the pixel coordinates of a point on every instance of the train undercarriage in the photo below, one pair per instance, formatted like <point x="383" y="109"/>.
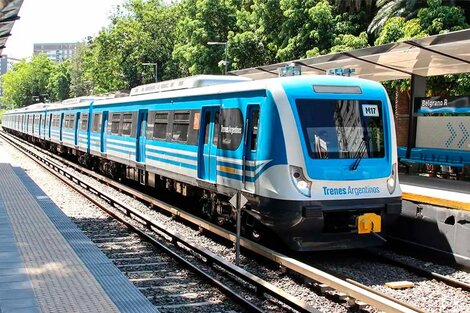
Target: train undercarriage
<point x="210" y="204"/>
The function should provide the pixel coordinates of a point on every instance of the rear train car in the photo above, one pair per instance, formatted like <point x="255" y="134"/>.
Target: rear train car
<point x="315" y="156"/>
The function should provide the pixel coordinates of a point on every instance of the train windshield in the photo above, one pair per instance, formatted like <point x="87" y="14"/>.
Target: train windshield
<point x="342" y="129"/>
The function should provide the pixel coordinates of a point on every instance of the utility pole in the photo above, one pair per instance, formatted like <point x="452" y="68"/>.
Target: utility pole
<point x="221" y="43"/>
<point x="156" y="69"/>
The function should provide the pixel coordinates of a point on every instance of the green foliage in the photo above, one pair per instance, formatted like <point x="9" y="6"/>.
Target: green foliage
<point x="308" y="28"/>
<point x="350" y="42"/>
<point x="438" y="18"/>
<point x="28" y="79"/>
<point x="203" y="21"/>
<point x="59" y="81"/>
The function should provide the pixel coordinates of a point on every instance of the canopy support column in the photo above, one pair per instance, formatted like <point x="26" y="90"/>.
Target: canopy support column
<point x="418" y="89"/>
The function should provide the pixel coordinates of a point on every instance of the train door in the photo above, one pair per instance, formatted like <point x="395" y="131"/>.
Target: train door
<point x="76" y="127"/>
<point x="104" y="131"/>
<point x="251" y="146"/>
<point x="140" y="135"/>
<point x="208" y="141"/>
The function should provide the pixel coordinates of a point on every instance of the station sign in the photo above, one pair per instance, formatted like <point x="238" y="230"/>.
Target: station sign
<point x="460" y="104"/>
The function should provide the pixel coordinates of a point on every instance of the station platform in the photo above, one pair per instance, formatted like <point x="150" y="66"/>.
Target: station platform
<point x="436" y="191"/>
<point x="435" y="218"/>
<point x="46" y="263"/>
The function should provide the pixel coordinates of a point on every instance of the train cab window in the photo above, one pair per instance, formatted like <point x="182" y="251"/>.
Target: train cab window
<point x="215" y="140"/>
<point x="207" y="123"/>
<point x="160" y="125"/>
<point x="115" y="122"/>
<point x="96" y="122"/>
<point x="180" y="127"/>
<point x="84" y="122"/>
<point x="126" y="124"/>
<point x="231" y="129"/>
<point x="254" y="129"/>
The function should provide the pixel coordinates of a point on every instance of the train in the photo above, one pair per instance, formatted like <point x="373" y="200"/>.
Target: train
<point x="314" y="156"/>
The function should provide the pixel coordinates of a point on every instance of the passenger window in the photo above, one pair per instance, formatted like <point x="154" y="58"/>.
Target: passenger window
<point x="96" y="122"/>
<point x="180" y="127"/>
<point x="160" y="125"/>
<point x="115" y="121"/>
<point x="127" y="124"/>
<point x="84" y="122"/>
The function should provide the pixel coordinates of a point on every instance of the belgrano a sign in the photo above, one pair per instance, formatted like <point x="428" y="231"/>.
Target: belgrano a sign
<point x="460" y="104"/>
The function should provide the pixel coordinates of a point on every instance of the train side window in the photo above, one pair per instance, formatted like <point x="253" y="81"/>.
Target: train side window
<point x="72" y="121"/>
<point x="84" y="122"/>
<point x="160" y="125"/>
<point x="193" y="131"/>
<point x="96" y="122"/>
<point x="180" y="127"/>
<point x="231" y="130"/>
<point x="254" y="129"/>
<point x="115" y="122"/>
<point x="126" y="124"/>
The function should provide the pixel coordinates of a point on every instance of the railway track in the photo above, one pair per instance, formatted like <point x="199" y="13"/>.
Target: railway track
<point x="146" y="229"/>
<point x="347" y="288"/>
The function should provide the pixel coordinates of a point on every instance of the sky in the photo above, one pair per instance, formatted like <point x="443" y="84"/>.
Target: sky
<point x="57" y="21"/>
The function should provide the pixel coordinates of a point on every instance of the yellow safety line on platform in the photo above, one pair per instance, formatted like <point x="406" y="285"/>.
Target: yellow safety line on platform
<point x="436" y="201"/>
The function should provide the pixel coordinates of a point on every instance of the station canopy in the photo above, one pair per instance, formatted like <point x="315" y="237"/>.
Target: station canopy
<point x="430" y="56"/>
<point x="8" y="15"/>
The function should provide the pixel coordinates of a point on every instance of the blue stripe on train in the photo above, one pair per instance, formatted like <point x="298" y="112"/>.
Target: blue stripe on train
<point x="185" y="165"/>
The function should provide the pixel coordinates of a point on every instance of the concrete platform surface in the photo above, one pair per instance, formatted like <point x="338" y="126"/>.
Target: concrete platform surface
<point x="46" y="263"/>
<point x="436" y="191"/>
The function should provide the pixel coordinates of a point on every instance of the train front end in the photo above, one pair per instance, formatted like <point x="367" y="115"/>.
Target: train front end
<point x="343" y="190"/>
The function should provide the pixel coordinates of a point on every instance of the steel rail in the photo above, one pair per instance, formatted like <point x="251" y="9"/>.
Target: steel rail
<point x="422" y="272"/>
<point x="349" y="287"/>
<point x="262" y="286"/>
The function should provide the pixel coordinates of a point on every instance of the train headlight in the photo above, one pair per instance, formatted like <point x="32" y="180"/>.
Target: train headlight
<point x="392" y="180"/>
<point x="301" y="183"/>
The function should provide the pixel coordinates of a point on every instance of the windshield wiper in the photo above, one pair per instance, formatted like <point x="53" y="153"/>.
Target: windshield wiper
<point x="356" y="164"/>
<point x="361" y="151"/>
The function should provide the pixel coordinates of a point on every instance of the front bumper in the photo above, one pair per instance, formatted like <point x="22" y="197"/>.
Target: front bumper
<point x="326" y="225"/>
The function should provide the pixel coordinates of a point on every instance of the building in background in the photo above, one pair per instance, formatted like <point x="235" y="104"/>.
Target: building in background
<point x="56" y="51"/>
<point x="6" y="64"/>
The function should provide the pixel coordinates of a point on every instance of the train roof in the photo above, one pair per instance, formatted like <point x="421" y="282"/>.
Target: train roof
<point x="227" y="84"/>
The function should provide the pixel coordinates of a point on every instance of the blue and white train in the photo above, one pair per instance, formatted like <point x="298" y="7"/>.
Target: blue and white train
<point x="314" y="155"/>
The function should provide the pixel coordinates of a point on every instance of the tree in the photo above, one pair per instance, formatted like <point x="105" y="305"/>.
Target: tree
<point x="59" y="81"/>
<point x="27" y="79"/>
<point x="256" y="39"/>
<point x="349" y="42"/>
<point x="308" y="29"/>
<point x="203" y="21"/>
